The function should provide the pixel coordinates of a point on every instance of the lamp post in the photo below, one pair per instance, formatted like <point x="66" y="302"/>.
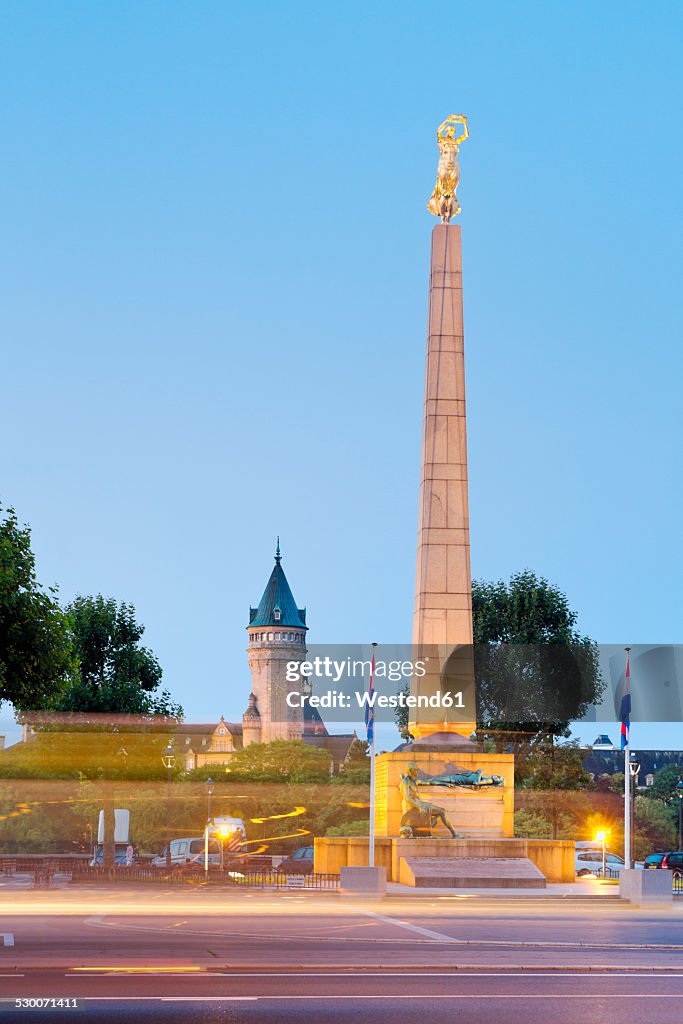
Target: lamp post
<point x="207" y="830"/>
<point x="223" y="833"/>
<point x="209" y="794"/>
<point x="601" y="837"/>
<point x="634" y="770"/>
<point x="679" y="794"/>
<point x="168" y="759"/>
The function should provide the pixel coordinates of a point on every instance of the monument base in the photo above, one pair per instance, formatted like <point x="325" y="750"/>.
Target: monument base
<point x="554" y="858"/>
<point x="468" y="873"/>
<point x="477" y="812"/>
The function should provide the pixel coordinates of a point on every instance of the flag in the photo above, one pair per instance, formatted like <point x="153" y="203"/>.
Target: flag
<point x="625" y="709"/>
<point x="369" y="706"/>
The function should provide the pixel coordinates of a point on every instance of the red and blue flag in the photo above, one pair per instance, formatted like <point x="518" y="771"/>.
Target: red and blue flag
<point x="369" y="704"/>
<point x="625" y="709"/>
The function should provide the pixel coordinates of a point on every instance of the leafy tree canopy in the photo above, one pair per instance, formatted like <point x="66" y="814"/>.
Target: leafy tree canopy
<point x="664" y="785"/>
<point x="116" y="673"/>
<point x="534" y="671"/>
<point x="36" y="656"/>
<point x="280" y="761"/>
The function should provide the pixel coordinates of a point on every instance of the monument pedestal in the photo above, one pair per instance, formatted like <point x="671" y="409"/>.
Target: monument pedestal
<point x="554" y="858"/>
<point x="482" y="812"/>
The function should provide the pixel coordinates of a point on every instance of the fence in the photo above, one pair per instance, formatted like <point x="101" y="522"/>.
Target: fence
<point x="195" y="877"/>
<point x="66" y="862"/>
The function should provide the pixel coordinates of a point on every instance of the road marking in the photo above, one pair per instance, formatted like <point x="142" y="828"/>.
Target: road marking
<point x="98" y="921"/>
<point x="438" y="936"/>
<point x="127" y="973"/>
<point x="7" y="938"/>
<point x="651" y="974"/>
<point x="336" y="997"/>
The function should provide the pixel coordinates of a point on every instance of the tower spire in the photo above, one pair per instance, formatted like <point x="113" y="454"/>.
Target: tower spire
<point x="278" y="556"/>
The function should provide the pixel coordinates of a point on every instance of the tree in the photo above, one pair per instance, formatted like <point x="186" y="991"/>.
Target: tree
<point x="116" y="674"/>
<point x="356" y="768"/>
<point x="551" y="766"/>
<point x="280" y="761"/>
<point x="664" y="785"/>
<point x="36" y="657"/>
<point x="534" y="671"/>
<point x="532" y="825"/>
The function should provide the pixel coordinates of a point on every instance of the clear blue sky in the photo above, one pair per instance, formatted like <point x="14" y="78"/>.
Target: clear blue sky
<point x="214" y="274"/>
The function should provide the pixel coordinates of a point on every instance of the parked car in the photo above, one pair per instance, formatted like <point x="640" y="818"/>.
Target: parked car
<point x="654" y="860"/>
<point x="672" y="860"/>
<point x="589" y="860"/>
<point x="299" y="863"/>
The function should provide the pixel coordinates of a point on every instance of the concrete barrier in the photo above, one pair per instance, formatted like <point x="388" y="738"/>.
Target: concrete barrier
<point x="650" y="886"/>
<point x="363" y="881"/>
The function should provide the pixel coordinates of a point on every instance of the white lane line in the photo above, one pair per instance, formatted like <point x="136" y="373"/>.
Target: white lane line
<point x="7" y="938"/>
<point x="439" y="936"/>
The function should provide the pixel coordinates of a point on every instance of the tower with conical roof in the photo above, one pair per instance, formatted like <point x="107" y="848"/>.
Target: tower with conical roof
<point x="277" y="635"/>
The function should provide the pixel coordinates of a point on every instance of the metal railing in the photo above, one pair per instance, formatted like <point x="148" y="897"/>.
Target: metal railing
<point x="180" y="876"/>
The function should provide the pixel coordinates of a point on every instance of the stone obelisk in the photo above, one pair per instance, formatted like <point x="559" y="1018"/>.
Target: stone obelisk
<point x="443" y="583"/>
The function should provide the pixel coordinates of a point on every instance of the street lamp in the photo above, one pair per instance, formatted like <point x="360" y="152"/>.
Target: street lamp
<point x="209" y="794"/>
<point x="601" y="837"/>
<point x="224" y="831"/>
<point x="633" y="770"/>
<point x="679" y="794"/>
<point x="168" y="759"/>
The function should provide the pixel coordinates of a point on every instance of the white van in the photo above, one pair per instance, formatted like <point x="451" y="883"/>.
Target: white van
<point x="189" y="852"/>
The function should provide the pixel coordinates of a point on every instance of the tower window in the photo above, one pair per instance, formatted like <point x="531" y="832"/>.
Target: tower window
<point x="277" y="614"/>
<point x="291" y="636"/>
<point x="270" y="636"/>
<point x="277" y="636"/>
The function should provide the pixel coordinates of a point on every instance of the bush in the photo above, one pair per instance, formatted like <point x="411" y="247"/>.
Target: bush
<point x="359" y="827"/>
<point x="530" y="825"/>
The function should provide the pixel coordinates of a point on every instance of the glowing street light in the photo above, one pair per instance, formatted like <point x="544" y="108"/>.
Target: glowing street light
<point x="601" y="837"/>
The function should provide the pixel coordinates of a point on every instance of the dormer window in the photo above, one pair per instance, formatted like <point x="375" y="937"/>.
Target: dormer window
<point x="277" y="614"/>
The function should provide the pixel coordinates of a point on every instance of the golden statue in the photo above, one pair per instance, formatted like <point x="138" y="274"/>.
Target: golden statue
<point x="443" y="202"/>
<point x="417" y="813"/>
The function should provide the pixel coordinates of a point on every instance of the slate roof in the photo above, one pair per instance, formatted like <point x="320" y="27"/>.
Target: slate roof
<point x="278" y="596"/>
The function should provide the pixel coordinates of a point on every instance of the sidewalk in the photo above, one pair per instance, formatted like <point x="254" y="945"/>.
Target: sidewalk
<point x="585" y="890"/>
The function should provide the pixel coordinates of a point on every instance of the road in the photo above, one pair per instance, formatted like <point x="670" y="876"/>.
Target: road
<point x="148" y="954"/>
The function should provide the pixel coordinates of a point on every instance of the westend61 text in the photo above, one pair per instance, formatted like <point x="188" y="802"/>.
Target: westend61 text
<point x="335" y="699"/>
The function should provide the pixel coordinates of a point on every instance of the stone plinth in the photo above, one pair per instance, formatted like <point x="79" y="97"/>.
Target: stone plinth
<point x="650" y="886"/>
<point x="469" y="873"/>
<point x="363" y="881"/>
<point x="554" y="858"/>
<point x="481" y="812"/>
<point x="443" y="582"/>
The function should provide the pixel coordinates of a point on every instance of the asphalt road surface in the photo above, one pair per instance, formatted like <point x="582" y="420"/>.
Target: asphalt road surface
<point x="157" y="955"/>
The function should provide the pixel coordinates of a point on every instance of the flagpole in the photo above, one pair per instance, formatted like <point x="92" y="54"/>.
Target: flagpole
<point x="627" y="773"/>
<point x="371" y="836"/>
